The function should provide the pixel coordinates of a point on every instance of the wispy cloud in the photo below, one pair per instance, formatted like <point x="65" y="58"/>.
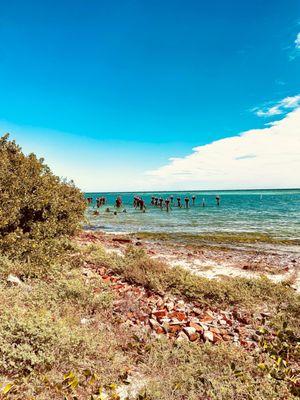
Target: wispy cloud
<point x="295" y="49"/>
<point x="282" y="107"/>
<point x="297" y="41"/>
<point x="266" y="158"/>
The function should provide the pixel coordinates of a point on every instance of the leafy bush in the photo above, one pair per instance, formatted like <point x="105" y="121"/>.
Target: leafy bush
<point x="36" y="206"/>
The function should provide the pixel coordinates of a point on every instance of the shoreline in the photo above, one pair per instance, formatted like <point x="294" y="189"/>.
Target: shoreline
<point x="213" y="262"/>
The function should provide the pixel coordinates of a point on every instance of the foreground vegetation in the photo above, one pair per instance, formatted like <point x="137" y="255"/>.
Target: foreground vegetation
<point x="61" y="337"/>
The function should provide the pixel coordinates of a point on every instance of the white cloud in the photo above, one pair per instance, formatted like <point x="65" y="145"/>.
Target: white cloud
<point x="282" y="107"/>
<point x="297" y="41"/>
<point x="259" y="158"/>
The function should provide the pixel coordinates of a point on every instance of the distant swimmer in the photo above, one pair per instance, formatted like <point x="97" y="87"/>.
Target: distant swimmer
<point x="152" y="200"/>
<point x="156" y="201"/>
<point x="95" y="212"/>
<point x="107" y="210"/>
<point x="178" y="202"/>
<point x="193" y="200"/>
<point x="115" y="213"/>
<point x="171" y="198"/>
<point x="167" y="203"/>
<point x="186" y="200"/>
<point x="124" y="211"/>
<point x="161" y="200"/>
<point x="203" y="202"/>
<point x="218" y="200"/>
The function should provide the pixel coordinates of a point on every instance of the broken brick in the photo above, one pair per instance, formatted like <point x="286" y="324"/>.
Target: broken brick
<point x="191" y="333"/>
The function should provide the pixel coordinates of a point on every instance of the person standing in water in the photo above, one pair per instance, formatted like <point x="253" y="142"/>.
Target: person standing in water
<point x="193" y="199"/>
<point x="142" y="204"/>
<point x="187" y="200"/>
<point x="118" y="202"/>
<point x="179" y="202"/>
<point x="171" y="198"/>
<point x="218" y="200"/>
<point x="203" y="202"/>
<point x="167" y="203"/>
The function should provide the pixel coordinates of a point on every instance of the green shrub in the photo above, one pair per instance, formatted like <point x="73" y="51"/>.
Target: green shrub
<point x="36" y="206"/>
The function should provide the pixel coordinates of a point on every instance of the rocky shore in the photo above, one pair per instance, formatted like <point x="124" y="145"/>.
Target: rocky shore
<point x="213" y="262"/>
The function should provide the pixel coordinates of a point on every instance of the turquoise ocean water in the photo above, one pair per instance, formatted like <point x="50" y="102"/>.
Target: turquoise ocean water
<point x="272" y="212"/>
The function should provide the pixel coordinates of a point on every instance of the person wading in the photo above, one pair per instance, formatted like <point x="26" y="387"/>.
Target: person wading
<point x="167" y="203"/>
<point x="187" y="200"/>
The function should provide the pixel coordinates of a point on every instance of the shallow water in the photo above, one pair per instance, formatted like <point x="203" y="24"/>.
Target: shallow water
<point x="275" y="213"/>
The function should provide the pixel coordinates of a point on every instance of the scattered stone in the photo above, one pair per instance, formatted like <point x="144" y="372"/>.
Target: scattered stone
<point x="173" y="317"/>
<point x="208" y="336"/>
<point x="87" y="272"/>
<point x="175" y="328"/>
<point x="85" y="321"/>
<point x="179" y="315"/>
<point x="204" y="327"/>
<point x="14" y="279"/>
<point x="170" y="306"/>
<point x="191" y="332"/>
<point x="197" y="310"/>
<point x="182" y="337"/>
<point x="196" y="326"/>
<point x="159" y="313"/>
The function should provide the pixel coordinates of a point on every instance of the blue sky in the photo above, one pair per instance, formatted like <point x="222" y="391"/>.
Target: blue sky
<point x="108" y="91"/>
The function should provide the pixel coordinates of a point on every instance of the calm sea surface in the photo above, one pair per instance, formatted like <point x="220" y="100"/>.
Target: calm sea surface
<point x="272" y="212"/>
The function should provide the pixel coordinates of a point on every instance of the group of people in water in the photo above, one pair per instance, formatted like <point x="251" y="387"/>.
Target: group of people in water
<point x="159" y="202"/>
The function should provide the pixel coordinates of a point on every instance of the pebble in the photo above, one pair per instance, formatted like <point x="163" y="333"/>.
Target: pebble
<point x="208" y="336"/>
<point x="14" y="279"/>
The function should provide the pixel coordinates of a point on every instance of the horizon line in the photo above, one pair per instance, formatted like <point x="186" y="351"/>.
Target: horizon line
<point x="192" y="190"/>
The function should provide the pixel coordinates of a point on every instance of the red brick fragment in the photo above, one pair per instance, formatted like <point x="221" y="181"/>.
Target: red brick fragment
<point x="206" y="319"/>
<point x="175" y="328"/>
<point x="160" y="313"/>
<point x="179" y="315"/>
<point x="159" y="329"/>
<point x="196" y="326"/>
<point x="215" y="330"/>
<point x="117" y="287"/>
<point x="191" y="333"/>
